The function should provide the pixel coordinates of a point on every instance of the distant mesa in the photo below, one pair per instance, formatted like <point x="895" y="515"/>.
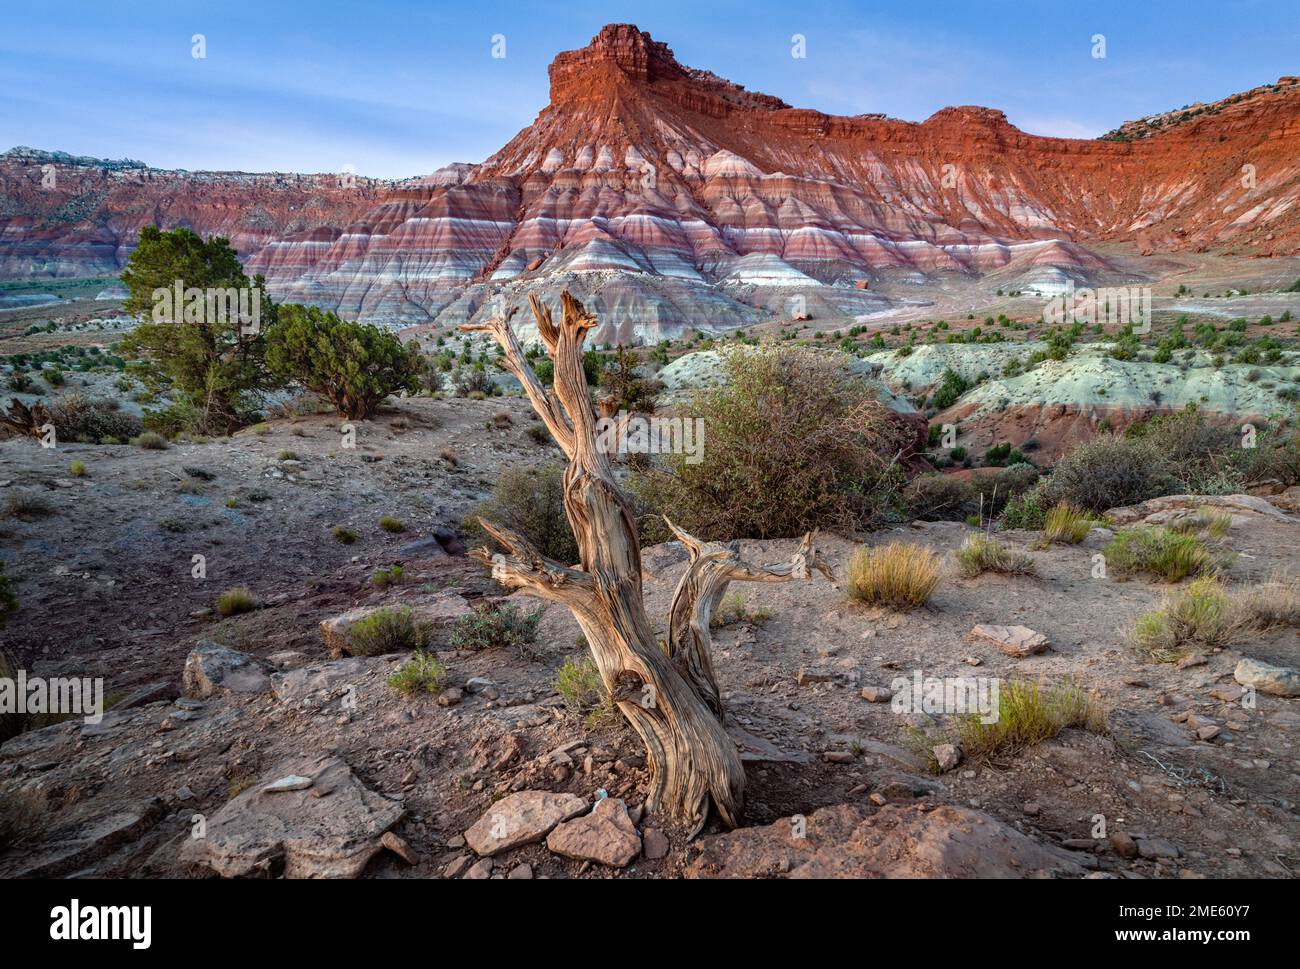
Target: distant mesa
<point x="671" y="199"/>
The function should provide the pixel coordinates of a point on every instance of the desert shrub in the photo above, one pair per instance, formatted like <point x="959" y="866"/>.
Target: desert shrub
<point x="794" y="442"/>
<point x="578" y="682"/>
<point x="1066" y="525"/>
<point x="78" y="418"/>
<point x="343" y="535"/>
<point x="27" y="506"/>
<point x="234" y="601"/>
<point x="982" y="553"/>
<point x="495" y="627"/>
<point x="287" y="455"/>
<point x="937" y="497"/>
<point x="77" y="469"/>
<point x="1029" y="714"/>
<point x="213" y="369"/>
<point x="354" y="366"/>
<point x="390" y="629"/>
<point x="951" y="387"/>
<point x="392" y="525"/>
<point x="1027" y="511"/>
<point x="901" y="576"/>
<point x="151" y="441"/>
<point x="469" y="381"/>
<point x="530" y="502"/>
<point x="1109" y="472"/>
<point x="421" y="672"/>
<point x="383" y="578"/>
<point x="1158" y="551"/>
<point x="620" y="386"/>
<point x="993" y="491"/>
<point x="1198" y="616"/>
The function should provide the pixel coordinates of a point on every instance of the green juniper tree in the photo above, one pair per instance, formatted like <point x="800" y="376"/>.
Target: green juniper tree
<point x="353" y="365"/>
<point x="196" y="352"/>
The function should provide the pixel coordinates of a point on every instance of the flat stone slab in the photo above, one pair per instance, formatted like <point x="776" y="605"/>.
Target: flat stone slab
<point x="898" y="841"/>
<point x="93" y="839"/>
<point x="211" y="667"/>
<point x="328" y="830"/>
<point x="606" y="836"/>
<point x="306" y="680"/>
<point x="523" y="818"/>
<point x="1018" y="641"/>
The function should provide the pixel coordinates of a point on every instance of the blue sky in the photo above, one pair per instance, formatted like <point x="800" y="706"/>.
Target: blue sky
<point x="398" y="89"/>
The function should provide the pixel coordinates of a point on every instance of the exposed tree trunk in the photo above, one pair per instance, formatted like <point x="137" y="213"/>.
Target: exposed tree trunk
<point x="668" y="692"/>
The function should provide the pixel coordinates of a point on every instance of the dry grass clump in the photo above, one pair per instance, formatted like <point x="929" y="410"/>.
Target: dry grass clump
<point x="1029" y="714"/>
<point x="735" y="608"/>
<point x="1197" y="617"/>
<point x="234" y="601"/>
<point x="391" y="629"/>
<point x="1065" y="524"/>
<point x="1269" y="605"/>
<point x="982" y="553"/>
<point x="900" y="575"/>
<point x="1159" y="551"/>
<point x="1206" y="521"/>
<point x="583" y="692"/>
<point x="421" y="672"/>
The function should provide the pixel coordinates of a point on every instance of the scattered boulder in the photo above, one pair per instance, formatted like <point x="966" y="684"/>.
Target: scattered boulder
<point x="328" y="830"/>
<point x="1018" y="641"/>
<point x="606" y="836"/>
<point x="1274" y="680"/>
<point x="523" y="818"/>
<point x="211" y="667"/>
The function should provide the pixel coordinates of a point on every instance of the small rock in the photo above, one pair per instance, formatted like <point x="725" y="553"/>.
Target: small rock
<point x="947" y="755"/>
<point x="399" y="847"/>
<point x="1208" y="732"/>
<point x="1187" y="662"/>
<point x="455" y="866"/>
<point x="521" y="872"/>
<point x="654" y="843"/>
<point x="606" y="835"/>
<point x="1157" y="848"/>
<point x="480" y="870"/>
<point x="450" y="696"/>
<point x="1031" y="810"/>
<point x="294" y="782"/>
<point x="520" y="819"/>
<point x="1018" y="641"/>
<point x="1274" y="680"/>
<point x="838" y="756"/>
<point x="877" y="694"/>
<point x="1123" y="844"/>
<point x="813" y="674"/>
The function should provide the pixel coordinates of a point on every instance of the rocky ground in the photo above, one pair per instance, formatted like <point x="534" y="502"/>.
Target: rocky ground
<point x="246" y="731"/>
